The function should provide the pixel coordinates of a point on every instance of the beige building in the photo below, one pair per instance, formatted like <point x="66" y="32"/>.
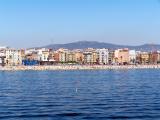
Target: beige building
<point x="14" y="57"/>
<point x="90" y="56"/>
<point x="111" y="57"/>
<point x="144" y="57"/>
<point x="122" y="56"/>
<point x="70" y="57"/>
<point x="63" y="54"/>
<point x="79" y="57"/>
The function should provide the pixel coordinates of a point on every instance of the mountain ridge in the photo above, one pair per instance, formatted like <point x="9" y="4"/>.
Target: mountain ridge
<point x="96" y="44"/>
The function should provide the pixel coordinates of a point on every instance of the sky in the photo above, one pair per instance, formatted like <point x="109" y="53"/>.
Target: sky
<point x="32" y="23"/>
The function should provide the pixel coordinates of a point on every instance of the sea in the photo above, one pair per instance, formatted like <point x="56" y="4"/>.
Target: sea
<point x="80" y="95"/>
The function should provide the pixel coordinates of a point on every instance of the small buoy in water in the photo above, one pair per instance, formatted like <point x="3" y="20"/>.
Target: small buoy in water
<point x="76" y="90"/>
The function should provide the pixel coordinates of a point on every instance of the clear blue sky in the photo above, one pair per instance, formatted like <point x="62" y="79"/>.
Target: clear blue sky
<point x="28" y="23"/>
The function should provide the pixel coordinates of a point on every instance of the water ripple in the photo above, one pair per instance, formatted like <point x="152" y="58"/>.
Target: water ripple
<point x="84" y="94"/>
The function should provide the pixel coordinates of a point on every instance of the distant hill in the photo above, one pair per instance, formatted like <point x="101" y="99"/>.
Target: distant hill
<point x="95" y="44"/>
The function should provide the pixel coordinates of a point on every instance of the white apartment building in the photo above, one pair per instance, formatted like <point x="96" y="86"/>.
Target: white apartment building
<point x="30" y="51"/>
<point x="132" y="56"/>
<point x="43" y="54"/>
<point x="103" y="56"/>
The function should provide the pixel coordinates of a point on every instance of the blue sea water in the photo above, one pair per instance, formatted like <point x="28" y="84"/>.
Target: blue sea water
<point x="80" y="95"/>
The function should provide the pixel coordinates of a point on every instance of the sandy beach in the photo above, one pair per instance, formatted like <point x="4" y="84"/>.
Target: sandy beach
<point x="77" y="67"/>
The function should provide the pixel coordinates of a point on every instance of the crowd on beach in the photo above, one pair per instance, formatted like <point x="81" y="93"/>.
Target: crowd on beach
<point x="78" y="67"/>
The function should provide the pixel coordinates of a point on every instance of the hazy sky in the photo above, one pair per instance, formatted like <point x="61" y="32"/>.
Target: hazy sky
<point x="28" y="23"/>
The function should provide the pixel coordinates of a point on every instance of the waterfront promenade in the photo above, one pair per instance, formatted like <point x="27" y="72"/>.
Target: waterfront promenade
<point x="78" y="67"/>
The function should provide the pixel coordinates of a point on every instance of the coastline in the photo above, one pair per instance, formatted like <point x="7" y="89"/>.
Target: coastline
<point x="77" y="67"/>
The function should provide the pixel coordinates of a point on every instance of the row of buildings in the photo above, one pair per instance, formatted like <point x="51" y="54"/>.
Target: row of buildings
<point x="44" y="56"/>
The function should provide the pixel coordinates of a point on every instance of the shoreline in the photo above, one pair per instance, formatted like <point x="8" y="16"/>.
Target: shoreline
<point x="77" y="67"/>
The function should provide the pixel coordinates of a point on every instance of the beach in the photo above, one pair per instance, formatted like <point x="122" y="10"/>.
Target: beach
<point x="78" y="67"/>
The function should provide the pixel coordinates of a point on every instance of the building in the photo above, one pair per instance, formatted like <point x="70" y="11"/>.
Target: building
<point x="2" y="56"/>
<point x="63" y="55"/>
<point x="56" y="56"/>
<point x="132" y="56"/>
<point x="70" y="57"/>
<point x="111" y="57"/>
<point x="90" y="56"/>
<point x="79" y="57"/>
<point x="153" y="57"/>
<point x="95" y="59"/>
<point x="43" y="54"/>
<point x="14" y="57"/>
<point x="30" y="51"/>
<point x="31" y="56"/>
<point x="144" y="58"/>
<point x="158" y="57"/>
<point x="87" y="58"/>
<point x="122" y="56"/>
<point x="103" y="56"/>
